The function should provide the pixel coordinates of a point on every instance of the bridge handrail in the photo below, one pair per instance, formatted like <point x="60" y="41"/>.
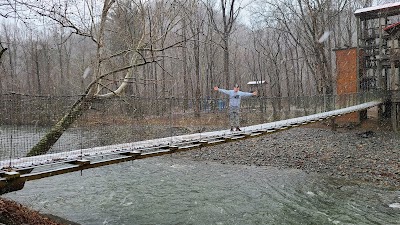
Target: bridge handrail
<point x="25" y="162"/>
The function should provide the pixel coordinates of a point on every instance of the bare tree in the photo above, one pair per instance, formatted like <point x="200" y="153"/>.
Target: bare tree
<point x="192" y="22"/>
<point x="11" y="57"/>
<point x="212" y="61"/>
<point x="2" y="50"/>
<point x="196" y="24"/>
<point x="131" y="49"/>
<point x="185" y="64"/>
<point x="97" y="28"/>
<point x="308" y="23"/>
<point x="229" y="13"/>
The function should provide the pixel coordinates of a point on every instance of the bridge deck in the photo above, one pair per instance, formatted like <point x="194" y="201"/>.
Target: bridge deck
<point x="64" y="162"/>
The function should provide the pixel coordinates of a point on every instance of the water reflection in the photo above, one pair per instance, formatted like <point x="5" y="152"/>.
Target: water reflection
<point x="166" y="190"/>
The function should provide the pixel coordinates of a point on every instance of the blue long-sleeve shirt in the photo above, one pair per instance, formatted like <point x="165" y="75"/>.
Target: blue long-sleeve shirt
<point x="234" y="97"/>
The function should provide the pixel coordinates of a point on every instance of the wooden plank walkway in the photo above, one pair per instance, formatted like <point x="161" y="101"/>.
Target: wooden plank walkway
<point x="14" y="172"/>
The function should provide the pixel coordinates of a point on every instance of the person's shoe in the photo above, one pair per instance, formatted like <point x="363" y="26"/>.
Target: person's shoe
<point x="238" y="129"/>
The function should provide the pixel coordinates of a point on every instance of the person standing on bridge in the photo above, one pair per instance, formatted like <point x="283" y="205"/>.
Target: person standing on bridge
<point x="234" y="104"/>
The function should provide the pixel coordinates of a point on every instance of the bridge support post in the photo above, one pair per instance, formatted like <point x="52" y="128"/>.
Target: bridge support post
<point x="385" y="110"/>
<point x="396" y="117"/>
<point x="333" y="124"/>
<point x="11" y="181"/>
<point x="11" y="185"/>
<point x="395" y="110"/>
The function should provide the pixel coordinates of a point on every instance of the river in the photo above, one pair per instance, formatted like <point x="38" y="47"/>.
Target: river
<point x="167" y="190"/>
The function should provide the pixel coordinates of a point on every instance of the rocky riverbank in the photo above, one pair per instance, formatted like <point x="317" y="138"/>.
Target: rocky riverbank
<point x="370" y="153"/>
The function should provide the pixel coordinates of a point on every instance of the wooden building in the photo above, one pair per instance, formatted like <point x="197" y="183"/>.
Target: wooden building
<point x="394" y="78"/>
<point x="378" y="55"/>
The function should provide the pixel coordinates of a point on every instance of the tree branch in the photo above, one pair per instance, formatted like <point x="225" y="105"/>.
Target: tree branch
<point x="2" y="50"/>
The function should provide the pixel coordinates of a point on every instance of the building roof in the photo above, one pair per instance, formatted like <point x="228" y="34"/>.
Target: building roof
<point x="256" y="82"/>
<point x="389" y="9"/>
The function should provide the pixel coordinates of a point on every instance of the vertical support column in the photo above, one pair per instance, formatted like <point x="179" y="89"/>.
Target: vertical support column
<point x="396" y="117"/>
<point x="378" y="72"/>
<point x="394" y="85"/>
<point x="358" y="54"/>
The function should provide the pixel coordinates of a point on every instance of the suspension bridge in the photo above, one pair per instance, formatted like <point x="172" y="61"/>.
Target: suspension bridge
<point x="373" y="65"/>
<point x="16" y="169"/>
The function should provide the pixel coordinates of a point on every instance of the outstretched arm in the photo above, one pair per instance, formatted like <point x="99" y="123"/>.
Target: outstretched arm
<point x="216" y="88"/>
<point x="248" y="94"/>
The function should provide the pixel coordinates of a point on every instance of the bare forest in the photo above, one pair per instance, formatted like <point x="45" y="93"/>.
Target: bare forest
<point x="165" y="49"/>
<point x="161" y="49"/>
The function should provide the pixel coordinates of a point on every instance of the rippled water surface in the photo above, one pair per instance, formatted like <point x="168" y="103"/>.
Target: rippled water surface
<point x="164" y="190"/>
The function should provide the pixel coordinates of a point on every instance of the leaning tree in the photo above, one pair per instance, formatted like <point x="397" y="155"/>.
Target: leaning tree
<point x="96" y="21"/>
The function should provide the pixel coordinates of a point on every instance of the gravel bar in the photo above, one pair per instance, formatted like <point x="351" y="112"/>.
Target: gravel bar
<point x="354" y="154"/>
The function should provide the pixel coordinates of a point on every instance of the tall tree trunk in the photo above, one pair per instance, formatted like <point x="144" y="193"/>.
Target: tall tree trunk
<point x="196" y="50"/>
<point x="37" y="70"/>
<point x="185" y="72"/>
<point x="226" y="61"/>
